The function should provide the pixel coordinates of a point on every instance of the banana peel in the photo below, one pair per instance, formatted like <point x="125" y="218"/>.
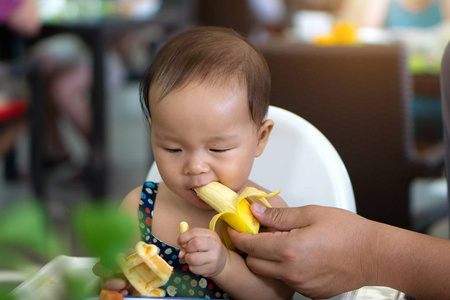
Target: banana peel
<point x="232" y="208"/>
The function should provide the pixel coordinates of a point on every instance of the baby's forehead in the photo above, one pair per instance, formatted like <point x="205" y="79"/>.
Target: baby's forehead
<point x="195" y="93"/>
<point x="158" y="90"/>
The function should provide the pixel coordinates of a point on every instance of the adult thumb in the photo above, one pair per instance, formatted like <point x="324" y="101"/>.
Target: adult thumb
<point x="283" y="219"/>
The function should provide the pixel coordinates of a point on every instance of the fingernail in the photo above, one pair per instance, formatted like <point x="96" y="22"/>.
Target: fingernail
<point x="258" y="208"/>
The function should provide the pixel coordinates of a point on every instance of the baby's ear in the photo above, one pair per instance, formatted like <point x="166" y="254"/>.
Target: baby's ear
<point x="263" y="136"/>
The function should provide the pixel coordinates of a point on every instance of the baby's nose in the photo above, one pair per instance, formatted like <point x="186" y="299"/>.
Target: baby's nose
<point x="196" y="165"/>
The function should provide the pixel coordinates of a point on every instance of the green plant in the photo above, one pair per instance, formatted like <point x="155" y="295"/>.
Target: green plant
<point x="28" y="240"/>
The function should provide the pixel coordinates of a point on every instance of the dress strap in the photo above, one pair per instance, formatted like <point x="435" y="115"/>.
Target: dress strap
<point x="146" y="207"/>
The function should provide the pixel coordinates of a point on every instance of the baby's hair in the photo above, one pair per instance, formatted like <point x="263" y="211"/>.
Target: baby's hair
<point x="208" y="54"/>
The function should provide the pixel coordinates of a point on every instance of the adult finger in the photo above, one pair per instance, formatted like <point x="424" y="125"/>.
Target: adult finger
<point x="264" y="245"/>
<point x="282" y="218"/>
<point x="266" y="268"/>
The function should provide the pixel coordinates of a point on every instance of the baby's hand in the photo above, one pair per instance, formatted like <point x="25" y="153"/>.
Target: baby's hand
<point x="111" y="281"/>
<point x="203" y="251"/>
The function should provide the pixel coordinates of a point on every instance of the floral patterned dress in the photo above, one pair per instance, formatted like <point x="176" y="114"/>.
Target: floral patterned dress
<point x="182" y="283"/>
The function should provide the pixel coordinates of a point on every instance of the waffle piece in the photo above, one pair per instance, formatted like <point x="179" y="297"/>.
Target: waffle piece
<point x="146" y="270"/>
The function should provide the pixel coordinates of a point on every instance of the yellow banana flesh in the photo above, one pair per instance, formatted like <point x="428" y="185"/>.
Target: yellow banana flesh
<point x="183" y="227"/>
<point x="232" y="208"/>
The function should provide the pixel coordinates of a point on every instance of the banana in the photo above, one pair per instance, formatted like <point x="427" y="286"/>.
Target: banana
<point x="183" y="227"/>
<point x="232" y="208"/>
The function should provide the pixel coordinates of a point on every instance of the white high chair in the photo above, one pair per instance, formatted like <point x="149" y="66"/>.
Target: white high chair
<point x="299" y="161"/>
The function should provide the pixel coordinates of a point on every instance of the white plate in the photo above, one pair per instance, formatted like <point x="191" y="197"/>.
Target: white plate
<point x="49" y="282"/>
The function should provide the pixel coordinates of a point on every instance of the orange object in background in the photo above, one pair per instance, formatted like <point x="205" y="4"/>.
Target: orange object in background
<point x="343" y="34"/>
<point x="110" y="295"/>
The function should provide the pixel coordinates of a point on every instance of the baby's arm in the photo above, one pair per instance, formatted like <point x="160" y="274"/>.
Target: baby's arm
<point x="129" y="205"/>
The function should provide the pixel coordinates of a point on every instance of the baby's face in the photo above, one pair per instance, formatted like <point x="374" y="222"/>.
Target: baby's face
<point x="202" y="134"/>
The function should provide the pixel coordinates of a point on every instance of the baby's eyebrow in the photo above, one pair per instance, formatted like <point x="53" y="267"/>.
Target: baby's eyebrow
<point x="211" y="139"/>
<point x="222" y="138"/>
<point x="164" y="136"/>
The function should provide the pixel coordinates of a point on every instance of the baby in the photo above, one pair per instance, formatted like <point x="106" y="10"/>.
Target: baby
<point x="205" y="95"/>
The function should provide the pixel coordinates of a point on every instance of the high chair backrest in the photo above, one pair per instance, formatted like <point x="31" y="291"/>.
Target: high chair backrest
<point x="301" y="162"/>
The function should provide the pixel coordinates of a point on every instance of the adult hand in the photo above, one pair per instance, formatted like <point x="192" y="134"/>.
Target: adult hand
<point x="318" y="251"/>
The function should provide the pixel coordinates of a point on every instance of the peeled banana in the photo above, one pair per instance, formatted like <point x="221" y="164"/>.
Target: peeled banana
<point x="233" y="208"/>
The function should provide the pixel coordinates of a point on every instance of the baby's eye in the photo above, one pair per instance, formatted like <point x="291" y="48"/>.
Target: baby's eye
<point x="218" y="150"/>
<point x="172" y="150"/>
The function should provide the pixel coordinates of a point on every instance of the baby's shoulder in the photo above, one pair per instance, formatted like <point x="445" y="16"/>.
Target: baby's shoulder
<point x="131" y="200"/>
<point x="134" y="192"/>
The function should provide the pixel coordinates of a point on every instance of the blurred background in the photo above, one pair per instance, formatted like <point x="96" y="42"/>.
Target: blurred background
<point x="365" y="73"/>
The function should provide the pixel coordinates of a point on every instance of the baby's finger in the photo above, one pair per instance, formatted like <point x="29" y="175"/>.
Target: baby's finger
<point x="199" y="258"/>
<point x="115" y="284"/>
<point x="182" y="253"/>
<point x="195" y="233"/>
<point x="201" y="244"/>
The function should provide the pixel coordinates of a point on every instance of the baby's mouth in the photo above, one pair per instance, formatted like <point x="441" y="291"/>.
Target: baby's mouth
<point x="197" y="196"/>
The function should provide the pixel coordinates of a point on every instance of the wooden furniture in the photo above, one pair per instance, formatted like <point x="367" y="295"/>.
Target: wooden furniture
<point x="359" y="97"/>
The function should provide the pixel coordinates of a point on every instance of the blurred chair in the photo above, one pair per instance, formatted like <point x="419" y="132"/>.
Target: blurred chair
<point x="299" y="161"/>
<point x="359" y="97"/>
<point x="303" y="164"/>
<point x="31" y="111"/>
